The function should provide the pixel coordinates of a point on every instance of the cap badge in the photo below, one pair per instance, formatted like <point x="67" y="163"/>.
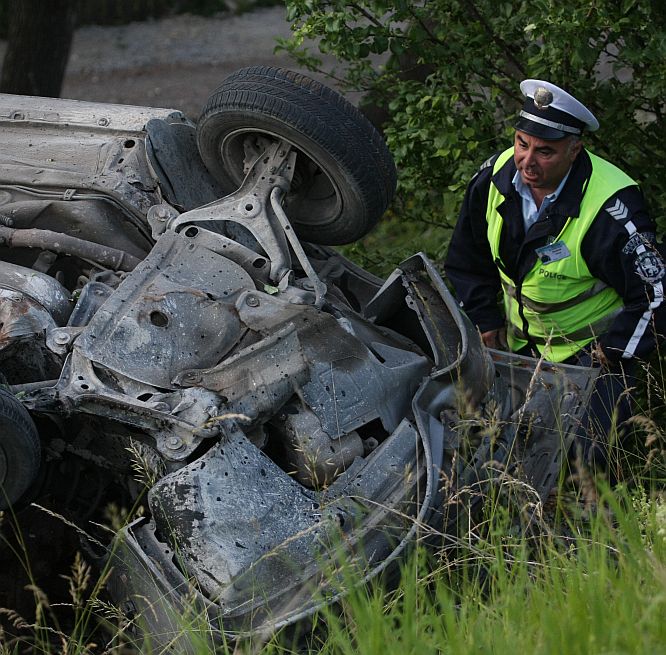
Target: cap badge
<point x="542" y="97"/>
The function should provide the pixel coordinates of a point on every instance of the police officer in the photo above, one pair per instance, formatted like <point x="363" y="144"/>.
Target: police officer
<point x="565" y="239"/>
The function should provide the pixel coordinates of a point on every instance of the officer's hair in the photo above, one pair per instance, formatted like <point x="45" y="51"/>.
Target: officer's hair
<point x="573" y="140"/>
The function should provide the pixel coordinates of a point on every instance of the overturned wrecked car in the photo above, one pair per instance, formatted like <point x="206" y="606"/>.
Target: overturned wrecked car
<point x="169" y="298"/>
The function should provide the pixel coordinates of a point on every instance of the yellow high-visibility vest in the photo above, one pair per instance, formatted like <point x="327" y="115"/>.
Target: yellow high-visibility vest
<point x="560" y="303"/>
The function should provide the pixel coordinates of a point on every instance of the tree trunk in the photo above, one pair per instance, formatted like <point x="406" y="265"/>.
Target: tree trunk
<point x="40" y="35"/>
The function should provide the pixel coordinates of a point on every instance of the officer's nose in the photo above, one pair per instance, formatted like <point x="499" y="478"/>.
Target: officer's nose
<point x="528" y="158"/>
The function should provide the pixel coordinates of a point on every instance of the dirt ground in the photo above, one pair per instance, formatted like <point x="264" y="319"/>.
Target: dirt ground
<point x="171" y="62"/>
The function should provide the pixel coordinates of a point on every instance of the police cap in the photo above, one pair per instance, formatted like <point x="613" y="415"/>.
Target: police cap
<point x="551" y="113"/>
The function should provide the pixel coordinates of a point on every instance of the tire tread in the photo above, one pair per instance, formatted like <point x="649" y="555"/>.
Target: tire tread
<point x="321" y="115"/>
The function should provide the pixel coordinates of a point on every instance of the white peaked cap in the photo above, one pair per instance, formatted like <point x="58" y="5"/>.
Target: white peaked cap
<point x="551" y="113"/>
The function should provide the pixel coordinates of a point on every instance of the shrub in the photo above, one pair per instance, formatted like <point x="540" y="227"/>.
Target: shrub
<point x="448" y="82"/>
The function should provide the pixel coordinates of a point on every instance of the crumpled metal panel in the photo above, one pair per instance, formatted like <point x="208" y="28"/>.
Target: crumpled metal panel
<point x="261" y="547"/>
<point x="258" y="380"/>
<point x="145" y="577"/>
<point x="146" y="585"/>
<point x="348" y="392"/>
<point x="553" y="397"/>
<point x="175" y="311"/>
<point x="415" y="301"/>
<point x="351" y="382"/>
<point x="234" y="510"/>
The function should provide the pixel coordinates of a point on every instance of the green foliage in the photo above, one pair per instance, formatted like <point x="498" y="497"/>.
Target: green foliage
<point x="602" y="594"/>
<point x="450" y="73"/>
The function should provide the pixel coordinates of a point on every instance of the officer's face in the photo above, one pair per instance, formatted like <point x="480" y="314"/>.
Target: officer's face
<point x="542" y="164"/>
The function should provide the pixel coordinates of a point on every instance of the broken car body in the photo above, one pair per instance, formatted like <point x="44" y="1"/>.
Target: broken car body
<point x="171" y="292"/>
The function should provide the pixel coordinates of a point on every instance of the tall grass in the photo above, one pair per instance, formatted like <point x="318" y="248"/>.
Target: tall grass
<point x="597" y="585"/>
<point x="604" y="593"/>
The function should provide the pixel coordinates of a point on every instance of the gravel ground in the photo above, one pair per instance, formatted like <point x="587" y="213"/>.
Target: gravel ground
<point x="171" y="62"/>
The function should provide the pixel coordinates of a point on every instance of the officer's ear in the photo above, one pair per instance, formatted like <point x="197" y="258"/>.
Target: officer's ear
<point x="575" y="146"/>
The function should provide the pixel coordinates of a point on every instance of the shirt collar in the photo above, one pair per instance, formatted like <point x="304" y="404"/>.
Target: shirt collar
<point x="531" y="214"/>
<point x="524" y="190"/>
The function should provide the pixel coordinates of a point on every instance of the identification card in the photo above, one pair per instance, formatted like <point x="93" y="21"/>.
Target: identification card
<point x="553" y="252"/>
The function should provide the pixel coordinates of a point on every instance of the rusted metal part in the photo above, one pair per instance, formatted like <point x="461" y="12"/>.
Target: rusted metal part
<point x="106" y="257"/>
<point x="41" y="288"/>
<point x="21" y="316"/>
<point x="24" y="356"/>
<point x="174" y="312"/>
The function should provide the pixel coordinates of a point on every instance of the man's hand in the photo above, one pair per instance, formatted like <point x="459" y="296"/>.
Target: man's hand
<point x="495" y="339"/>
<point x="599" y="357"/>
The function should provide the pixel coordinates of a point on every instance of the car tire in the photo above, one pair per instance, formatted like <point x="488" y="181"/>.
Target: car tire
<point x="20" y="452"/>
<point x="345" y="176"/>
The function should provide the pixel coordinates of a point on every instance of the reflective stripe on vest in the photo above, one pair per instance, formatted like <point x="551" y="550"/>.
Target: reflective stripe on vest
<point x="564" y="305"/>
<point x="545" y="308"/>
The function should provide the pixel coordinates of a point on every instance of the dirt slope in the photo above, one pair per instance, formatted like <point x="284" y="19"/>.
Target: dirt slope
<point x="171" y="62"/>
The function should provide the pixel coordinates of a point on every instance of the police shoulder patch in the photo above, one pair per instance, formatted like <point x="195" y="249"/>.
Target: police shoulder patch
<point x="650" y="266"/>
<point x="639" y="239"/>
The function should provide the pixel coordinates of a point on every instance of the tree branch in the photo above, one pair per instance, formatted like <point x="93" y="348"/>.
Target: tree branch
<point x="498" y="39"/>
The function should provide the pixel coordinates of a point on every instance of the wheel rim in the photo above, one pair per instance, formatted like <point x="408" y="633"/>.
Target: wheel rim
<point x="314" y="199"/>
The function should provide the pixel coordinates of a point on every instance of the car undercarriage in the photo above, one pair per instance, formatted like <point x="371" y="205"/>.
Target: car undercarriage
<point x="171" y="300"/>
